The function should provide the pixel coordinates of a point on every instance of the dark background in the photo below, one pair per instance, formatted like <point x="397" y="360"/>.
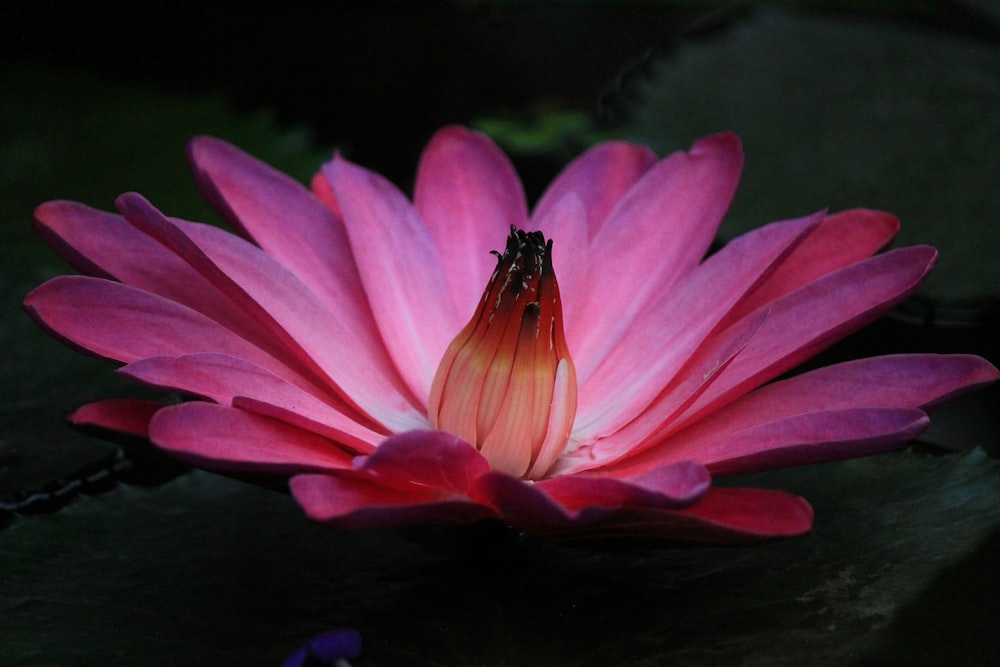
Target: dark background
<point x="110" y="559"/>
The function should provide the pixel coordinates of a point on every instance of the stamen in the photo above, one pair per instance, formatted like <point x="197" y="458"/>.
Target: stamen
<point x="507" y="383"/>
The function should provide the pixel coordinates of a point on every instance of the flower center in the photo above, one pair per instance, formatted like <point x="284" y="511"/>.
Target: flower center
<point x="507" y="383"/>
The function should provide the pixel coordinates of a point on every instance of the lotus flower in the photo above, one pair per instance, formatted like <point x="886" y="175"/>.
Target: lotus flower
<point x="590" y="377"/>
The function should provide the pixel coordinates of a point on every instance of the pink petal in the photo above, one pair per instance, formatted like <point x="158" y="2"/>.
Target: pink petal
<point x="565" y="223"/>
<point x="401" y="270"/>
<point x="284" y="218"/>
<point x="808" y="320"/>
<point x="321" y="340"/>
<point x="664" y="336"/>
<point x="842" y="239"/>
<point x="129" y="416"/>
<point x="722" y="516"/>
<point x="120" y="322"/>
<point x="105" y="245"/>
<point x="469" y="196"/>
<point x="708" y="363"/>
<point x="599" y="179"/>
<point x="852" y="409"/>
<point x="223" y="438"/>
<point x="658" y="232"/>
<point x="231" y="381"/>
<point x="360" y="504"/>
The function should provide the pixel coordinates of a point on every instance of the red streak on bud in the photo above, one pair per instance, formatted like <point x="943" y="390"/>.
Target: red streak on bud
<point x="507" y="382"/>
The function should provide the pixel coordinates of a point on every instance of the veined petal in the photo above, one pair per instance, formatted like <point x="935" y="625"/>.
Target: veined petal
<point x="663" y="337"/>
<point x="322" y="340"/>
<point x="599" y="179"/>
<point x="285" y="219"/>
<point x="656" y="233"/>
<point x="401" y="271"/>
<point x="230" y="381"/>
<point x="469" y="196"/>
<point x="224" y="438"/>
<point x="125" y="415"/>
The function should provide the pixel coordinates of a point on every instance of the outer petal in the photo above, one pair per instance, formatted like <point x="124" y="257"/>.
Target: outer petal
<point x="469" y="195"/>
<point x="125" y="415"/>
<point x="599" y="178"/>
<point x="230" y="381"/>
<point x="657" y="232"/>
<point x="846" y="410"/>
<point x="223" y="438"/>
<point x="720" y="516"/>
<point x="723" y="516"/>
<point x="401" y="271"/>
<point x="808" y="320"/>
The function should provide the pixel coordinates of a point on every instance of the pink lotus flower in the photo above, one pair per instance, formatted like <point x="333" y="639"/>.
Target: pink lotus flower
<point x="331" y="340"/>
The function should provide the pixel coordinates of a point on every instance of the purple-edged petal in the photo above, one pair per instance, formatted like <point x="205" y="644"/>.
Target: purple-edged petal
<point x="852" y="409"/>
<point x="721" y="515"/>
<point x="664" y="337"/>
<point x="656" y="233"/>
<point x="401" y="270"/>
<point x="231" y="381"/>
<point x="223" y="438"/>
<point x="432" y="459"/>
<point x="469" y="195"/>
<point x="599" y="179"/>
<point x="804" y="322"/>
<point x="842" y="239"/>
<point x="125" y="415"/>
